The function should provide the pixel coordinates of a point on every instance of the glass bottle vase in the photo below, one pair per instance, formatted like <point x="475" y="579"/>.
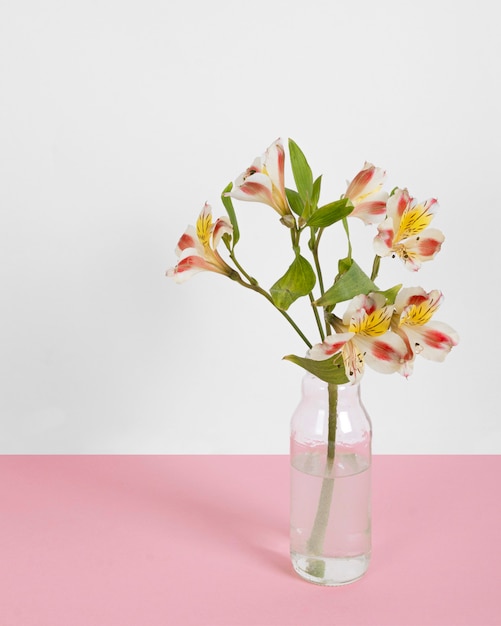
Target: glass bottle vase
<point x="330" y="455"/>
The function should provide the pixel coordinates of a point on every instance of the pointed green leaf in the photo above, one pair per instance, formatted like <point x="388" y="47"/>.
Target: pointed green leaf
<point x="228" y="205"/>
<point x="295" y="202"/>
<point x="331" y="370"/>
<point x="301" y="171"/>
<point x="315" y="196"/>
<point x="330" y="213"/>
<point x="350" y="284"/>
<point x="391" y="294"/>
<point x="344" y="265"/>
<point x="297" y="281"/>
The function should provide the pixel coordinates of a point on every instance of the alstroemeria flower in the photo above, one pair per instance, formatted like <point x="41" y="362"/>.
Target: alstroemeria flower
<point x="414" y="309"/>
<point x="197" y="248"/>
<point x="367" y="196"/>
<point x="405" y="233"/>
<point x="364" y="336"/>
<point x="264" y="180"/>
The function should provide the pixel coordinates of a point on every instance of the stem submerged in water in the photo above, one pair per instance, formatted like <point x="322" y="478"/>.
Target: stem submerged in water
<point x="331" y="433"/>
<point x="316" y="541"/>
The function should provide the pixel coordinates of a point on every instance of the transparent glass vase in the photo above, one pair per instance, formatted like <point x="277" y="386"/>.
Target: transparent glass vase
<point x="330" y="516"/>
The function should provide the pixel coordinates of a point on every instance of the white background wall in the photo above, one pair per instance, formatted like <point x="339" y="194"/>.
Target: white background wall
<point x="118" y="120"/>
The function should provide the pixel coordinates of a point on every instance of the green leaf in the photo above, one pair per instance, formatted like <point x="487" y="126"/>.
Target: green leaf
<point x="350" y="284"/>
<point x="391" y="294"/>
<point x="315" y="196"/>
<point x="331" y="370"/>
<point x="330" y="213"/>
<point x="228" y="205"/>
<point x="295" y="201"/>
<point x="344" y="265"/>
<point x="297" y="281"/>
<point x="302" y="172"/>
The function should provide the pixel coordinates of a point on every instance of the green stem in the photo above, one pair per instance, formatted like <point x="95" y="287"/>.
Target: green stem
<point x="314" y="250"/>
<point x="316" y="541"/>
<point x="331" y="433"/>
<point x="347" y="231"/>
<point x="375" y="267"/>
<point x="251" y="280"/>
<point x="317" y="316"/>
<point x="254" y="286"/>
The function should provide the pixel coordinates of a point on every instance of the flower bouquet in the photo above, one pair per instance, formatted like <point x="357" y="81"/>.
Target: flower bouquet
<point x="386" y="329"/>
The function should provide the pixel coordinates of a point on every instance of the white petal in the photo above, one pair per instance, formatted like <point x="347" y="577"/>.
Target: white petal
<point x="397" y="203"/>
<point x="433" y="341"/>
<point x="221" y="227"/>
<point x="385" y="354"/>
<point x="424" y="246"/>
<point x="383" y="241"/>
<point x="405" y="295"/>
<point x="274" y="163"/>
<point x="330" y="346"/>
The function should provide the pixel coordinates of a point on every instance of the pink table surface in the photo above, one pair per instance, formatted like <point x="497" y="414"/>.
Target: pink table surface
<point x="203" y="540"/>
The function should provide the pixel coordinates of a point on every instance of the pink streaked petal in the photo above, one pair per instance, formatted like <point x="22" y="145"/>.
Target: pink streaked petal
<point x="366" y="183"/>
<point x="370" y="212"/>
<point x="408" y="296"/>
<point x="330" y="346"/>
<point x="221" y="227"/>
<point x="432" y="341"/>
<point x="383" y="241"/>
<point x="362" y="306"/>
<point x="188" y="267"/>
<point x="256" y="188"/>
<point x="397" y="203"/>
<point x="430" y="243"/>
<point x="431" y="205"/>
<point x="252" y="173"/>
<point x="257" y="166"/>
<point x="274" y="162"/>
<point x="189" y="240"/>
<point x="186" y="241"/>
<point x="385" y="354"/>
<point x="356" y="307"/>
<point x="426" y="245"/>
<point x="360" y="181"/>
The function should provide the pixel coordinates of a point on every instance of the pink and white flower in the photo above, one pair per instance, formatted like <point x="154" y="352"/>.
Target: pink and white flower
<point x="405" y="233"/>
<point x="433" y="340"/>
<point x="264" y="180"/>
<point x="367" y="195"/>
<point x="364" y="336"/>
<point x="197" y="248"/>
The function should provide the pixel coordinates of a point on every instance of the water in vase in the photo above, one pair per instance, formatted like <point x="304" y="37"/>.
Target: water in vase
<point x="330" y="547"/>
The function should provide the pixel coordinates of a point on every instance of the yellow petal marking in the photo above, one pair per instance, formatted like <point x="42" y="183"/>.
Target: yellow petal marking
<point x="204" y="228"/>
<point x="414" y="220"/>
<point x="373" y="324"/>
<point x="419" y="314"/>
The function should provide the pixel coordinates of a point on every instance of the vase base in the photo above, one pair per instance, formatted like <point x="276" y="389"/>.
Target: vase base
<point x="330" y="572"/>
